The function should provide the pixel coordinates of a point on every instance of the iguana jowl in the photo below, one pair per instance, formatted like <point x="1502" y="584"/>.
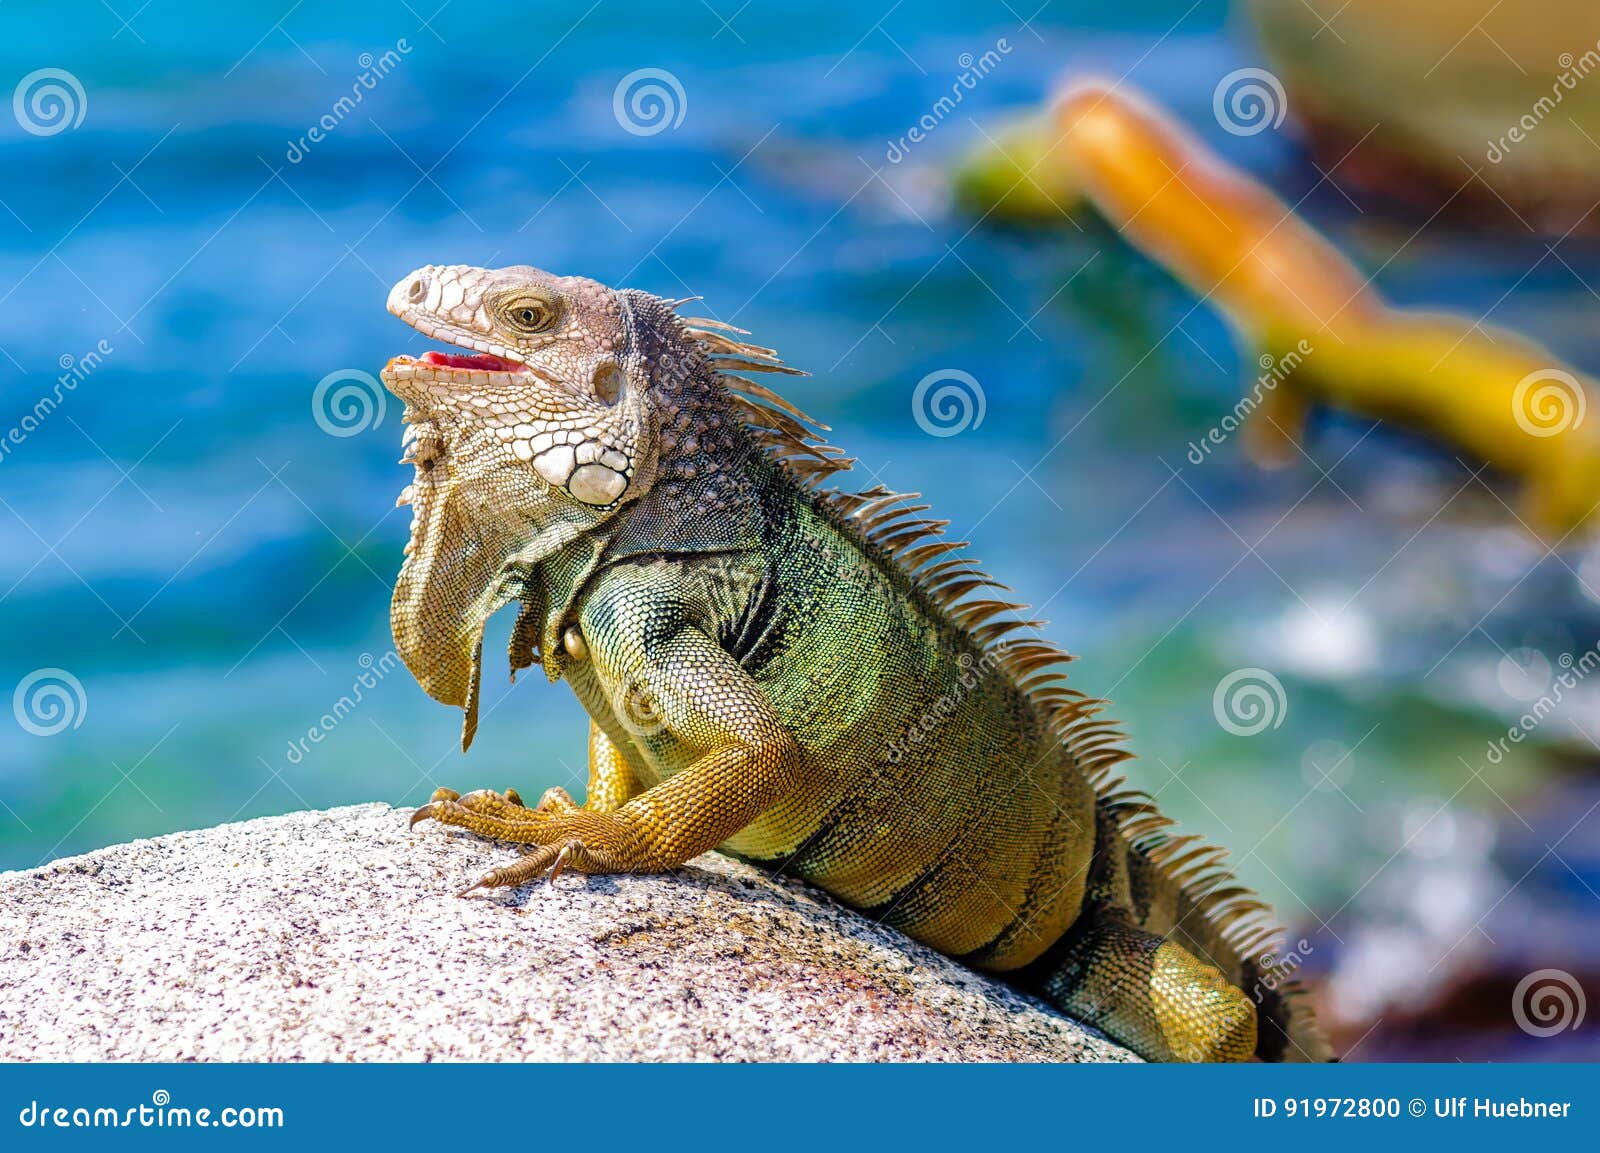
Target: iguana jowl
<point x="805" y="678"/>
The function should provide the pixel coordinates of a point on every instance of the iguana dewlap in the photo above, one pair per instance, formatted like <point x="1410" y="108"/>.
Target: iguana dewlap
<point x="808" y="679"/>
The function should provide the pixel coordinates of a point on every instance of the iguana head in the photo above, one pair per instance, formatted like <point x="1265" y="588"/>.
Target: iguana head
<point x="570" y="423"/>
<point x="529" y="432"/>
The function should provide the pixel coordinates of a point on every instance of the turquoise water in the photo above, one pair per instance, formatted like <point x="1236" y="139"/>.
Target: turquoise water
<point x="212" y="569"/>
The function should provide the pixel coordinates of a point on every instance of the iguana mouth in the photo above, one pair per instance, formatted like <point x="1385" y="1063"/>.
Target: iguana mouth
<point x="462" y="362"/>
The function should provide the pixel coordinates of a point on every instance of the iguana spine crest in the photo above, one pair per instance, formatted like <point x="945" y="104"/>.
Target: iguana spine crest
<point x="883" y="522"/>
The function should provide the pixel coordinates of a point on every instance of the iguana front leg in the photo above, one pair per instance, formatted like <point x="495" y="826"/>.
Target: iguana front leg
<point x="612" y="780"/>
<point x="699" y="697"/>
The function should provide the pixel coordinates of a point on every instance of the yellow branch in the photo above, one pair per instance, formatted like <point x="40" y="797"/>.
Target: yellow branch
<point x="1494" y="394"/>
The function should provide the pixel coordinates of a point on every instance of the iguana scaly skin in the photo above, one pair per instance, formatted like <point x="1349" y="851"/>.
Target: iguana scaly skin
<point x="808" y="679"/>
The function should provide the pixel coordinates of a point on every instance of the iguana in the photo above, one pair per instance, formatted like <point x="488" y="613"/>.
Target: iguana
<point x="808" y="679"/>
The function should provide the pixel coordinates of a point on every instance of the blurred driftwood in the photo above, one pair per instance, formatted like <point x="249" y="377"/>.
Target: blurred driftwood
<point x="1296" y="300"/>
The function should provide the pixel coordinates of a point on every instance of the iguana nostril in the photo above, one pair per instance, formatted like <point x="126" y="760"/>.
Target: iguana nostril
<point x="418" y="290"/>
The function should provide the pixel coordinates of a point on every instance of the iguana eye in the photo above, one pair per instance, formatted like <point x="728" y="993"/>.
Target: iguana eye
<point x="528" y="313"/>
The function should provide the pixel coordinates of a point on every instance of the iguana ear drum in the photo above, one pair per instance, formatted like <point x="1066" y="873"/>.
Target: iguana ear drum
<point x="608" y="383"/>
<point x="599" y="480"/>
<point x="596" y="484"/>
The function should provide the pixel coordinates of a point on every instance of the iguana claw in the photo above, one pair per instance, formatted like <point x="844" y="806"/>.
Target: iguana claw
<point x="549" y="860"/>
<point x="485" y="801"/>
<point x="428" y="810"/>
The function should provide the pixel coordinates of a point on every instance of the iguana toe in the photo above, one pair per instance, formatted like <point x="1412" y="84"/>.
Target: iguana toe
<point x="486" y="801"/>
<point x="426" y="811"/>
<point x="491" y="814"/>
<point x="548" y="861"/>
<point x="556" y="800"/>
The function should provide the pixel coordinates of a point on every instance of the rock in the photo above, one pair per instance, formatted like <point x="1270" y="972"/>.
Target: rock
<point x="336" y="935"/>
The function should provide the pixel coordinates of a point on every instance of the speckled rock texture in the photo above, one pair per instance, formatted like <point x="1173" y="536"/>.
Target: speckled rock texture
<point x="336" y="936"/>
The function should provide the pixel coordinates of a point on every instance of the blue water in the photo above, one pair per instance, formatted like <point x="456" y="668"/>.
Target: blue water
<point x="213" y="569"/>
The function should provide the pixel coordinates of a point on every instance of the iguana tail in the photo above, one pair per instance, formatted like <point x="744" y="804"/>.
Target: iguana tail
<point x="1171" y="955"/>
